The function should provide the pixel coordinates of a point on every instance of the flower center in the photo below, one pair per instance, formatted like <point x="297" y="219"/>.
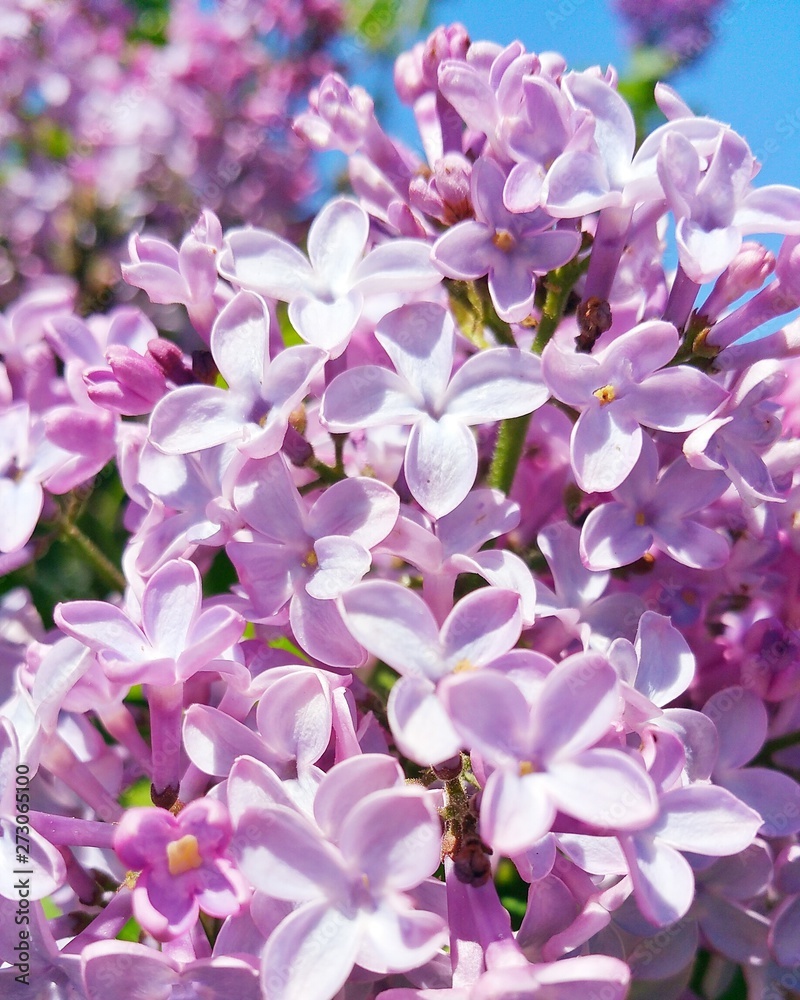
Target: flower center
<point x="503" y="240"/>
<point x="640" y="519"/>
<point x="526" y="767"/>
<point x="462" y="666"/>
<point x="183" y="855"/>
<point x="606" y="394"/>
<point x="310" y="561"/>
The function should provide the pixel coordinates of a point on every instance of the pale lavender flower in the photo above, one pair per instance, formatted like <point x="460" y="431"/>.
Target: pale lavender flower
<point x="544" y="754"/>
<point x="441" y="456"/>
<point x="187" y="275"/>
<point x="327" y="289"/>
<point x="175" y="639"/>
<point x="350" y="889"/>
<point x="620" y="389"/>
<point x="110" y="967"/>
<point x="512" y="248"/>
<point x="701" y="819"/>
<point x="648" y="509"/>
<point x="396" y="625"/>
<point x="742" y="431"/>
<point x="741" y="721"/>
<point x="34" y="852"/>
<point x="309" y="558"/>
<point x="715" y="207"/>
<point x="254" y="410"/>
<point x="27" y="460"/>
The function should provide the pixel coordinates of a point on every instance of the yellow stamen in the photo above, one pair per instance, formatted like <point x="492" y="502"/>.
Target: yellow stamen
<point x="525" y="767"/>
<point x="503" y="240"/>
<point x="183" y="855"/>
<point x="606" y="395"/>
<point x="463" y="665"/>
<point x="310" y="560"/>
<point x="640" y="519"/>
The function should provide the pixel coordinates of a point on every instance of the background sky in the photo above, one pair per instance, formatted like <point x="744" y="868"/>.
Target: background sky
<point x="749" y="78"/>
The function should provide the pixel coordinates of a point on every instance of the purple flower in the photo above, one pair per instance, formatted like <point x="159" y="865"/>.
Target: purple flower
<point x="326" y="291"/>
<point x="441" y="456"/>
<point x="350" y="883"/>
<point x="744" y="428"/>
<point x="741" y="721"/>
<point x="309" y="557"/>
<point x="187" y="275"/>
<point x="254" y="410"/>
<point x="44" y="861"/>
<point x="175" y="639"/>
<point x="511" y="248"/>
<point x="109" y="968"/>
<point x="27" y="460"/>
<point x="648" y="508"/>
<point x="542" y="748"/>
<point x="700" y="819"/>
<point x="715" y="207"/>
<point x="183" y="866"/>
<point x="396" y="625"/>
<point x="621" y="388"/>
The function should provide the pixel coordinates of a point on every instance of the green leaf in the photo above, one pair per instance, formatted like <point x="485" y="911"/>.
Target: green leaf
<point x="378" y="23"/>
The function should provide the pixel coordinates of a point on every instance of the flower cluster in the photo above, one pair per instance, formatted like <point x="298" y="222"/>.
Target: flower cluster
<point x="110" y="119"/>
<point x="507" y="511"/>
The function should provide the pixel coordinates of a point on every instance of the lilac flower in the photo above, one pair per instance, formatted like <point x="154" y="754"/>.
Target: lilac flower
<point x="577" y="600"/>
<point x="254" y="410"/>
<point x="47" y="871"/>
<point x="741" y="721"/>
<point x="784" y="943"/>
<point x="326" y="292"/>
<point x="441" y="455"/>
<point x="701" y="819"/>
<point x="109" y="968"/>
<point x="511" y="248"/>
<point x="309" y="557"/>
<point x="451" y="545"/>
<point x="716" y="207"/>
<point x="27" y="460"/>
<point x="192" y="503"/>
<point x="183" y="866"/>
<point x="187" y="275"/>
<point x="743" y="429"/>
<point x="621" y="388"/>
<point x="298" y="709"/>
<point x="543" y="752"/>
<point x="648" y="508"/>
<point x="351" y="895"/>
<point x="570" y="979"/>
<point x="175" y="639"/>
<point x="397" y="626"/>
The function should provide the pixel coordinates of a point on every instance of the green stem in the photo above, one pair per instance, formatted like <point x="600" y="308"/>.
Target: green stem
<point x="511" y="436"/>
<point x="559" y="284"/>
<point x="468" y="295"/>
<point x="508" y="451"/>
<point x="326" y="473"/>
<point x="101" y="564"/>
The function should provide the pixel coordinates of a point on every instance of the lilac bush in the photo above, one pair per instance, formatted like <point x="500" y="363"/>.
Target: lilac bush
<point x="451" y="647"/>
<point x="116" y="114"/>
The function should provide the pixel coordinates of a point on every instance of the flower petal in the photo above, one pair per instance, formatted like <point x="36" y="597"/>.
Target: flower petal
<point x="441" y="463"/>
